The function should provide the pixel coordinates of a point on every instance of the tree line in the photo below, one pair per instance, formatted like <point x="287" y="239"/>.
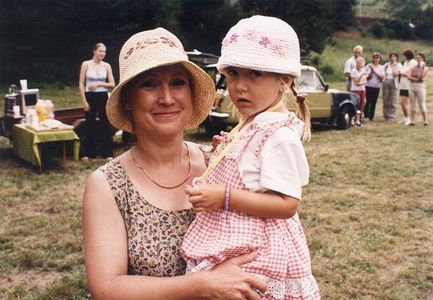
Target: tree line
<point x="46" y="40"/>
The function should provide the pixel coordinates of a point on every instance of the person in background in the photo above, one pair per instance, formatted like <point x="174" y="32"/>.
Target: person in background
<point x="416" y="76"/>
<point x="135" y="210"/>
<point x="248" y="197"/>
<point x="408" y="64"/>
<point x="350" y="64"/>
<point x="96" y="77"/>
<point x="375" y="76"/>
<point x="390" y="86"/>
<point x="359" y="79"/>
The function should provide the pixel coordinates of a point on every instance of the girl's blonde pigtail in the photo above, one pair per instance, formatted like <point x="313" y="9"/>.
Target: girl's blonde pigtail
<point x="302" y="112"/>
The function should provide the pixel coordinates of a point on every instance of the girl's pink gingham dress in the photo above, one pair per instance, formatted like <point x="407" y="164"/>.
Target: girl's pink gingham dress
<point x="214" y="236"/>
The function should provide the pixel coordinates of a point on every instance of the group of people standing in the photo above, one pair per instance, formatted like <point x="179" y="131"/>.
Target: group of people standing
<point x="404" y="80"/>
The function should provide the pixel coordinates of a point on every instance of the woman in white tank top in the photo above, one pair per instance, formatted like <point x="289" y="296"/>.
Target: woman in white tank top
<point x="96" y="77"/>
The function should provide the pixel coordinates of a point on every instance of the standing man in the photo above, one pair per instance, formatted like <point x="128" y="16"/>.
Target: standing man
<point x="351" y="64"/>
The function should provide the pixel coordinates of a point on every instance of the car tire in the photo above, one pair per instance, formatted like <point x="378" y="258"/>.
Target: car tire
<point x="343" y="118"/>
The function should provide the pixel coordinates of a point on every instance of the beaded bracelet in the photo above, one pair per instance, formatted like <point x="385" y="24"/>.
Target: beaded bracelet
<point x="227" y="198"/>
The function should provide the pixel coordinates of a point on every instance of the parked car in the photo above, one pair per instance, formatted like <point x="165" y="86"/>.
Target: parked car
<point x="327" y="106"/>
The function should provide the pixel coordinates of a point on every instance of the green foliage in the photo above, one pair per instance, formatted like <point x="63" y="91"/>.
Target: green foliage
<point x="46" y="41"/>
<point x="378" y="30"/>
<point x="418" y="12"/>
<point x="314" y="21"/>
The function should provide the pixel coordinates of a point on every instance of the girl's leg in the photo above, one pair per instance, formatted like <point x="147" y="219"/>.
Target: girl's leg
<point x="404" y="102"/>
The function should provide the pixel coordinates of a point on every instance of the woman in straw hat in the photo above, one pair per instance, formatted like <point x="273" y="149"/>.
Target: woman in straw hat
<point x="135" y="209"/>
<point x="248" y="197"/>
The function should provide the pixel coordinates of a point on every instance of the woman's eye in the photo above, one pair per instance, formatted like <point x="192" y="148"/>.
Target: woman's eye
<point x="149" y="84"/>
<point x="178" y="82"/>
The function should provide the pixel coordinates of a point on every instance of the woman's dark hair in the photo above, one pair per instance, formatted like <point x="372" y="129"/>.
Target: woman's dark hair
<point x="377" y="54"/>
<point x="422" y="55"/>
<point x="393" y="53"/>
<point x="408" y="54"/>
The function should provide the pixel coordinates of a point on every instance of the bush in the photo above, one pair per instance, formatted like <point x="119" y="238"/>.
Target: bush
<point x="398" y="29"/>
<point x="377" y="29"/>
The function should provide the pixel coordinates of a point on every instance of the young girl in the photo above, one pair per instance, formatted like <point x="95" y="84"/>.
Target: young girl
<point x="248" y="197"/>
<point x="359" y="79"/>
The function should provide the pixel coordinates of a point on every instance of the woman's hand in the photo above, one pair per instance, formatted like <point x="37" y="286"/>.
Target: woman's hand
<point x="228" y="281"/>
<point x="206" y="197"/>
<point x="93" y="86"/>
<point x="86" y="106"/>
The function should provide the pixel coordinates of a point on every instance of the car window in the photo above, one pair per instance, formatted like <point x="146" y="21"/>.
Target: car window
<point x="309" y="81"/>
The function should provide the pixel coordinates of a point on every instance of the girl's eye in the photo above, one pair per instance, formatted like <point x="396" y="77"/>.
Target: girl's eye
<point x="179" y="82"/>
<point x="256" y="73"/>
<point x="150" y="83"/>
<point x="231" y="72"/>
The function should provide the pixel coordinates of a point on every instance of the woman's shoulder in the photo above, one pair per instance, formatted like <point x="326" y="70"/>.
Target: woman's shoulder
<point x="107" y="65"/>
<point x="199" y="152"/>
<point x="85" y="64"/>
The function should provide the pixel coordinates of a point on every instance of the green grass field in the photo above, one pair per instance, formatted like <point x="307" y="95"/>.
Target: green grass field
<point x="367" y="211"/>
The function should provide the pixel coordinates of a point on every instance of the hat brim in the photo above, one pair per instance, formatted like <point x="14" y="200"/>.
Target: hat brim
<point x="203" y="88"/>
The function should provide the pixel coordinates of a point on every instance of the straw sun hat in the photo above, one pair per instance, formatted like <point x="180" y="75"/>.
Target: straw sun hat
<point x="150" y="49"/>
<point x="261" y="43"/>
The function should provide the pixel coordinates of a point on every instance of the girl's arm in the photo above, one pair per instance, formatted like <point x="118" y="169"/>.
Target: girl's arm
<point x="283" y="169"/>
<point x="106" y="258"/>
<point x="81" y="83"/>
<point x="265" y="205"/>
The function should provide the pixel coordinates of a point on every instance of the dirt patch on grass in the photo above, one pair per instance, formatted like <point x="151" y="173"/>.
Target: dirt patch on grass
<point x="29" y="279"/>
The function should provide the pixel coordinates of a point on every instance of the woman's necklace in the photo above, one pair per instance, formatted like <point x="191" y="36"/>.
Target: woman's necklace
<point x="158" y="184"/>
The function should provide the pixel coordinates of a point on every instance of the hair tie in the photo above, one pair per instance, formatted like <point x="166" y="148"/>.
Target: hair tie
<point x="300" y="99"/>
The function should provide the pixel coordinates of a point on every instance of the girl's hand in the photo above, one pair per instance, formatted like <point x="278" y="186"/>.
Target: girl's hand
<point x="229" y="281"/>
<point x="217" y="139"/>
<point x="206" y="197"/>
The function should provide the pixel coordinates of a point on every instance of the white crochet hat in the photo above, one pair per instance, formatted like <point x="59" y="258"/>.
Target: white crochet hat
<point x="261" y="43"/>
<point x="151" y="49"/>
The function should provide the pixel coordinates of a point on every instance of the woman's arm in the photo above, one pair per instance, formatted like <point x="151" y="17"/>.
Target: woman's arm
<point x="81" y="83"/>
<point x="381" y="73"/>
<point x="106" y="256"/>
<point x="110" y="77"/>
<point x="424" y="72"/>
<point x="265" y="205"/>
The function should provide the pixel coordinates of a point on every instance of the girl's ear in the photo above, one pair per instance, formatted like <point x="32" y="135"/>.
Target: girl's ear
<point x="286" y="81"/>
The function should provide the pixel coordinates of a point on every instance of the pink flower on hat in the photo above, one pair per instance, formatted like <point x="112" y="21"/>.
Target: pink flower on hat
<point x="264" y="41"/>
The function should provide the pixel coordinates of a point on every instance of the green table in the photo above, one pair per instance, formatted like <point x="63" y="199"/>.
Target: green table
<point x="27" y="142"/>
